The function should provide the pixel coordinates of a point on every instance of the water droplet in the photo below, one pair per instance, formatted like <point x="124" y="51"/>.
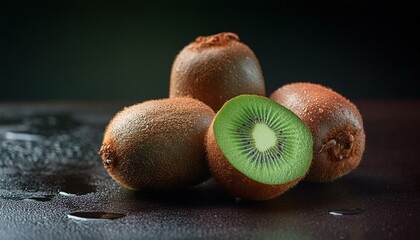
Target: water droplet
<point x="76" y="185"/>
<point x="44" y="198"/>
<point x="22" y="136"/>
<point x="320" y="110"/>
<point x="95" y="215"/>
<point x="342" y="212"/>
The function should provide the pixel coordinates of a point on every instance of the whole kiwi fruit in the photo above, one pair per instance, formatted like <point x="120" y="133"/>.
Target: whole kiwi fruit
<point x="336" y="125"/>
<point x="158" y="144"/>
<point x="214" y="69"/>
<point x="257" y="149"/>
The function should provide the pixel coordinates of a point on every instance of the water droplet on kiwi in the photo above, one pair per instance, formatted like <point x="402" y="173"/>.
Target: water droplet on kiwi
<point x="320" y="110"/>
<point x="343" y="212"/>
<point x="95" y="215"/>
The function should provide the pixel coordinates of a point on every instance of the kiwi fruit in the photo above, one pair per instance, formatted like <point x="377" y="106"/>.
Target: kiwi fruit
<point x="214" y="69"/>
<point x="158" y="144"/>
<point x="336" y="126"/>
<point x="256" y="148"/>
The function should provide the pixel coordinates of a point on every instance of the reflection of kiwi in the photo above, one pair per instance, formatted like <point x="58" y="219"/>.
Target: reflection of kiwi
<point x="256" y="148"/>
<point x="158" y="144"/>
<point x="336" y="126"/>
<point x="213" y="69"/>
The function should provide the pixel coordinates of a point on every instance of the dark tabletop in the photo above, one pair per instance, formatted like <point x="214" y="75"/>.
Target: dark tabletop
<point x="50" y="174"/>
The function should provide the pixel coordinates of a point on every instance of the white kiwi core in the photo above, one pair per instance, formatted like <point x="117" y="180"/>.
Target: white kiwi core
<point x="264" y="137"/>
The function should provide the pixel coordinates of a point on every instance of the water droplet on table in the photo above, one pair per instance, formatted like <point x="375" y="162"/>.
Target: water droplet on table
<point x="22" y="136"/>
<point x="343" y="212"/>
<point x="45" y="198"/>
<point x="95" y="215"/>
<point x="76" y="185"/>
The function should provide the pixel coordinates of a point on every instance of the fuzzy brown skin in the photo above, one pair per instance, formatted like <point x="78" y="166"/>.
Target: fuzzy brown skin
<point x="235" y="182"/>
<point x="336" y="126"/>
<point x="158" y="144"/>
<point x="216" y="68"/>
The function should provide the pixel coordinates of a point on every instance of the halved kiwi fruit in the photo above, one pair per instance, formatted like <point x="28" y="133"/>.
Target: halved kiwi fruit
<point x="158" y="144"/>
<point x="256" y="148"/>
<point x="336" y="126"/>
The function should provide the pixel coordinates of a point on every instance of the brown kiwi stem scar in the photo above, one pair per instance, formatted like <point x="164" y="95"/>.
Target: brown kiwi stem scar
<point x="107" y="156"/>
<point x="339" y="148"/>
<point x="217" y="39"/>
<point x="331" y="143"/>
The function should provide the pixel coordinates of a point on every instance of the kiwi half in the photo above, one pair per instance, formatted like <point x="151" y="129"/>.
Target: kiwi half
<point x="256" y="148"/>
<point x="158" y="144"/>
<point x="214" y="69"/>
<point x="336" y="126"/>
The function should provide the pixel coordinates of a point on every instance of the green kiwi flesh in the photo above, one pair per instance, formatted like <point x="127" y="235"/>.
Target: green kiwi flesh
<point x="263" y="140"/>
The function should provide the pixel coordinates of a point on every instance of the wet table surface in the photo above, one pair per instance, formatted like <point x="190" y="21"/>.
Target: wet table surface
<point x="51" y="180"/>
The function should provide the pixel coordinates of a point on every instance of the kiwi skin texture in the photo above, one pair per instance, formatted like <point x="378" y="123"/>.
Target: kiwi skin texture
<point x="235" y="182"/>
<point x="158" y="144"/>
<point x="336" y="126"/>
<point x="214" y="69"/>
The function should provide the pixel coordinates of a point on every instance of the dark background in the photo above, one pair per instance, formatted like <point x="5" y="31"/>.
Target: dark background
<point x="123" y="50"/>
